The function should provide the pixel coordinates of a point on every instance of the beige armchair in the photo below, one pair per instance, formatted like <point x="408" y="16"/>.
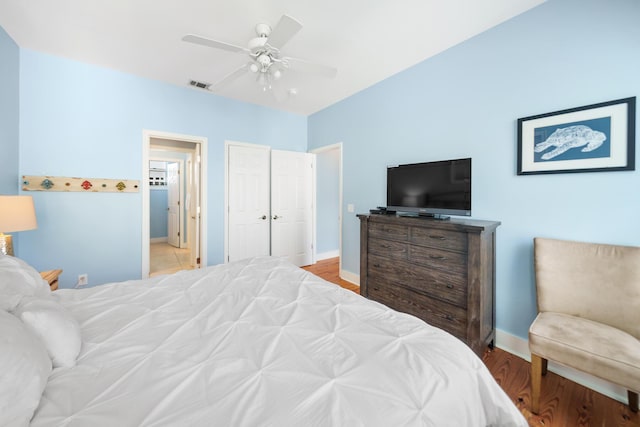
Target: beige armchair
<point x="588" y="313"/>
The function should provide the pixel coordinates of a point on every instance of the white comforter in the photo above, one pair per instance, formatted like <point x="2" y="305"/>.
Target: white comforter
<point x="262" y="343"/>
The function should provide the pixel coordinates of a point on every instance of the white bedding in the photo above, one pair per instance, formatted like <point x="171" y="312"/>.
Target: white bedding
<point x="261" y="343"/>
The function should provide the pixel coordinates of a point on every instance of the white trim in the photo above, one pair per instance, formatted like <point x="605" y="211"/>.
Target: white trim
<point x="316" y="151"/>
<point x="520" y="347"/>
<point x="350" y="277"/>
<point x="145" y="241"/>
<point x="327" y="255"/>
<point x="158" y="240"/>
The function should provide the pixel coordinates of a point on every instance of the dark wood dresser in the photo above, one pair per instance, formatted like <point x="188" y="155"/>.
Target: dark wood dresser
<point x="440" y="271"/>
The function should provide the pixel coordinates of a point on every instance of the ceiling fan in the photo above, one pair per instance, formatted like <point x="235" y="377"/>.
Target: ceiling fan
<point x="265" y="58"/>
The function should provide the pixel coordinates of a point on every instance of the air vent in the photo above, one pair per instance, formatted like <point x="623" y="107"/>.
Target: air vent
<point x="199" y="85"/>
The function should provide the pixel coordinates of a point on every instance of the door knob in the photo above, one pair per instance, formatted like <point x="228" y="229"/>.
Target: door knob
<point x="276" y="217"/>
<point x="263" y="217"/>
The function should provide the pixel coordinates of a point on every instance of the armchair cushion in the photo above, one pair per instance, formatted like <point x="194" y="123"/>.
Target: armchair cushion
<point x="589" y="280"/>
<point x="589" y="346"/>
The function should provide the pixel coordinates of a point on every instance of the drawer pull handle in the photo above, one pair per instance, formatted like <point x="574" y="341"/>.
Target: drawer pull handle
<point x="448" y="317"/>
<point x="449" y="286"/>
<point x="377" y="265"/>
<point x="386" y="246"/>
<point x="438" y="257"/>
<point x="433" y="236"/>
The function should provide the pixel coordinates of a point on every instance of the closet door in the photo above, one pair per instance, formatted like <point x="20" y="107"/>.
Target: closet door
<point x="292" y="206"/>
<point x="248" y="195"/>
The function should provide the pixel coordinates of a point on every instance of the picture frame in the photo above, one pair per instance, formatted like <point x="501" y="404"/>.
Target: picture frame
<point x="593" y="138"/>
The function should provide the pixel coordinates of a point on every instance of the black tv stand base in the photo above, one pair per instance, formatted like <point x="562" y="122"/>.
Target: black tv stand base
<point x="439" y="217"/>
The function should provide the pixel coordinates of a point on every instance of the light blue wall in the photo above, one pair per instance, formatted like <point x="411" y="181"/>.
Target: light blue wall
<point x="9" y="114"/>
<point x="81" y="120"/>
<point x="465" y="102"/>
<point x="327" y="201"/>
<point x="9" y="109"/>
<point x="158" y="214"/>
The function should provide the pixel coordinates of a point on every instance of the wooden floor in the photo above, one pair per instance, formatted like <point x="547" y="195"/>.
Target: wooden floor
<point x="563" y="403"/>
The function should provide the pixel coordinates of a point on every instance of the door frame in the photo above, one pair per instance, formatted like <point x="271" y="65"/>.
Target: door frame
<point x="316" y="151"/>
<point x="147" y="135"/>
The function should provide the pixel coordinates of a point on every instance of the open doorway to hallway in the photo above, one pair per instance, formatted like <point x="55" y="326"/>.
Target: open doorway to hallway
<point x="328" y="205"/>
<point x="179" y="162"/>
<point x="170" y="248"/>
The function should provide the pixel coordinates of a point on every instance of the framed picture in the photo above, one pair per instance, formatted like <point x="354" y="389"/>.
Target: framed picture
<point x="593" y="138"/>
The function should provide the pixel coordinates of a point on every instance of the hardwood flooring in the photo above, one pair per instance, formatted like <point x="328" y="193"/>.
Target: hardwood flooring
<point x="563" y="403"/>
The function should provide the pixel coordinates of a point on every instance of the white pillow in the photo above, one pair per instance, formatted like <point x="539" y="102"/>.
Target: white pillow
<point x="55" y="326"/>
<point x="17" y="280"/>
<point x="24" y="370"/>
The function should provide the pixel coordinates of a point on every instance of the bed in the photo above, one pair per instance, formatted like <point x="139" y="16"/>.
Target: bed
<point x="257" y="342"/>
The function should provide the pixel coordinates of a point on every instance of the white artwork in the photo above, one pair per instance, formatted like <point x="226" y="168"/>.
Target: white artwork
<point x="564" y="139"/>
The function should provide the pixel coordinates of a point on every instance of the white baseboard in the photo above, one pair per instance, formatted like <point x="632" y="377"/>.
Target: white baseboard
<point x="159" y="240"/>
<point x="327" y="255"/>
<point x="520" y="347"/>
<point x="350" y="277"/>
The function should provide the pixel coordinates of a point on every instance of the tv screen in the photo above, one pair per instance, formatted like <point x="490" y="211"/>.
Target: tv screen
<point x="432" y="188"/>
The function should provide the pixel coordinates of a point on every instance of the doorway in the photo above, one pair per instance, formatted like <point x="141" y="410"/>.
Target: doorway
<point x="185" y="157"/>
<point x="170" y="249"/>
<point x="328" y="203"/>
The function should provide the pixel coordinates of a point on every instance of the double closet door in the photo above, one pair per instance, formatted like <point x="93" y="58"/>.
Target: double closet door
<point x="270" y="203"/>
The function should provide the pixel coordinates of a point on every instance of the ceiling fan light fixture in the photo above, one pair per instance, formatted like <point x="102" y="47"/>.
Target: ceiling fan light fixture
<point x="265" y="58"/>
<point x="263" y="30"/>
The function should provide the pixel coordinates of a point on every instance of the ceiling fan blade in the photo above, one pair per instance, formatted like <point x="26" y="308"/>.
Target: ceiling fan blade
<point x="283" y="32"/>
<point x="303" y="65"/>
<point x="192" y="38"/>
<point x="229" y="78"/>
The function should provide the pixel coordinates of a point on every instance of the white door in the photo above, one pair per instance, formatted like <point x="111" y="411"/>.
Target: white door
<point x="248" y="196"/>
<point x="291" y="206"/>
<point x="193" y="205"/>
<point x="173" y="196"/>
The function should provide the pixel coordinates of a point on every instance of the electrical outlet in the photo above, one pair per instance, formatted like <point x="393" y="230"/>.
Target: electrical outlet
<point x="83" y="279"/>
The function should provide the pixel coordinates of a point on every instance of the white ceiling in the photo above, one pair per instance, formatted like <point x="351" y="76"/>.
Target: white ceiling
<point x="366" y="40"/>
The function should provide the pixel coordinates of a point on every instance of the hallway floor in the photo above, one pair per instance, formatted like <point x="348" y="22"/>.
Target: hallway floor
<point x="166" y="259"/>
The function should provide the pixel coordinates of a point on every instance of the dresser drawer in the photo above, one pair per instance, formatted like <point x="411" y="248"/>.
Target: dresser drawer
<point x="389" y="231"/>
<point x="437" y="313"/>
<point x="443" y="239"/>
<point x="452" y="262"/>
<point x="442" y="285"/>
<point x="388" y="248"/>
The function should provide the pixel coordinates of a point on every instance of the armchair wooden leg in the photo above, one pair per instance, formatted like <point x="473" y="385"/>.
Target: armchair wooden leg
<point x="538" y="368"/>
<point x="633" y="400"/>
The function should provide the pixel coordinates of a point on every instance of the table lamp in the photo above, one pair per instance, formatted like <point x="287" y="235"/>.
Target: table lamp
<point x="16" y="214"/>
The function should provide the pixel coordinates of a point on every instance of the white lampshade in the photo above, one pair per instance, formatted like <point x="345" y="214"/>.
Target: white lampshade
<point x="16" y="214"/>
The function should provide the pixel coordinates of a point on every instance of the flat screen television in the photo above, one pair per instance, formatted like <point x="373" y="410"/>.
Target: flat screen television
<point x="430" y="189"/>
